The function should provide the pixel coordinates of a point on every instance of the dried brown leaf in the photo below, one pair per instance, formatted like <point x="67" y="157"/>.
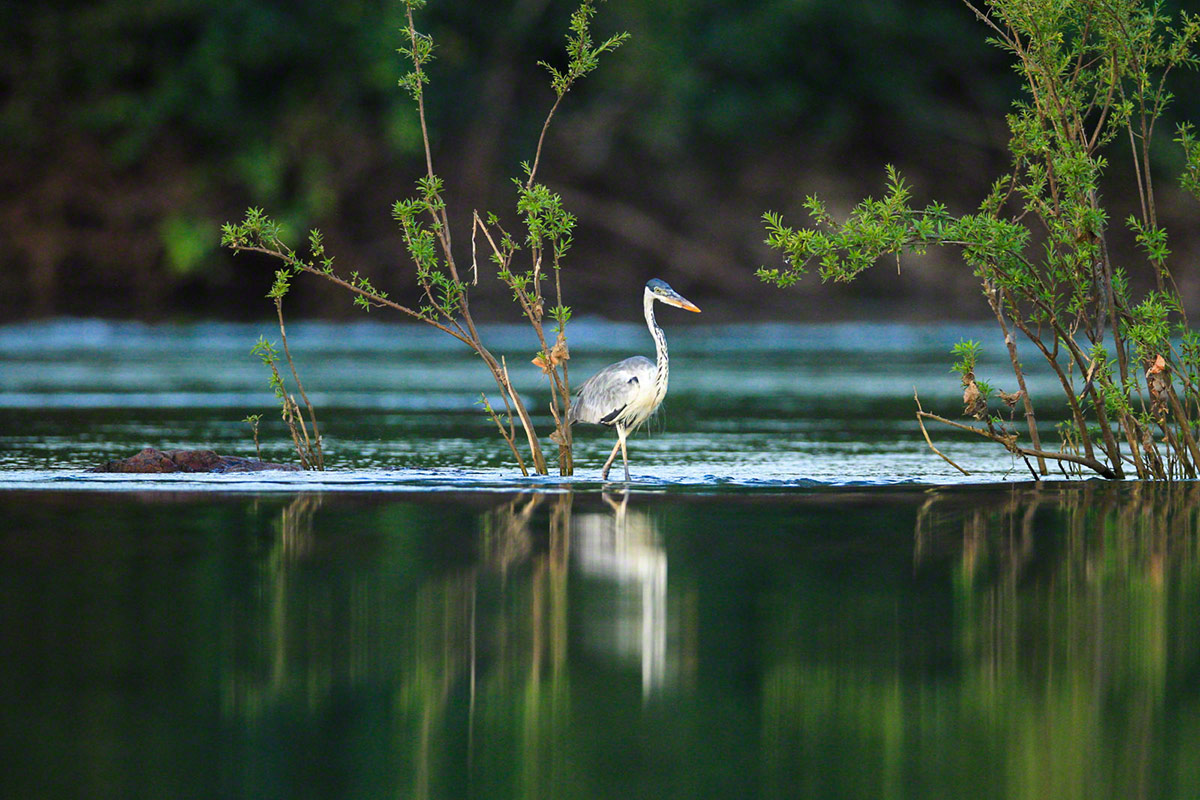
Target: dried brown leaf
<point x="974" y="404"/>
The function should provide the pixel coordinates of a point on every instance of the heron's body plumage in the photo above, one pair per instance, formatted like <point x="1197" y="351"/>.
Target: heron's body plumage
<point x="626" y="394"/>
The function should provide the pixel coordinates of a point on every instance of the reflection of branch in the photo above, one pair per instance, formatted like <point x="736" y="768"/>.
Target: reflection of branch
<point x="618" y="508"/>
<point x="295" y="524"/>
<point x="560" y="532"/>
<point x="923" y="529"/>
<point x="507" y="539"/>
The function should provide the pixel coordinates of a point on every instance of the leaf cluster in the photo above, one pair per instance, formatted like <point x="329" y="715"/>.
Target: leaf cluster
<point x="583" y="55"/>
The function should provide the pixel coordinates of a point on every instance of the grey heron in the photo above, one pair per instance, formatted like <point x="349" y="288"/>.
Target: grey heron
<point x="626" y="394"/>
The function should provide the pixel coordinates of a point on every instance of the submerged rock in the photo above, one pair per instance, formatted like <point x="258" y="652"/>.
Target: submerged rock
<point x="154" y="461"/>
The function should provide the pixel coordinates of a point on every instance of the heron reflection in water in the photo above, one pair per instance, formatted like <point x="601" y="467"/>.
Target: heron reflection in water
<point x="620" y="546"/>
<point x="624" y="547"/>
<point x="627" y="393"/>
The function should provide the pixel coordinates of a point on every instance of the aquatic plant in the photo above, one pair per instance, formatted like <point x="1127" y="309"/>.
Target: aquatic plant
<point x="444" y="287"/>
<point x="1094" y="76"/>
<point x="308" y="448"/>
<point x="252" y="420"/>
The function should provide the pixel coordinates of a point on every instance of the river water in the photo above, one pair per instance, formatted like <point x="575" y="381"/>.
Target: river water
<point x="793" y="598"/>
<point x="748" y="405"/>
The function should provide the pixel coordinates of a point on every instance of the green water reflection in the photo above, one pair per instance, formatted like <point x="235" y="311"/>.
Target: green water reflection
<point x="1015" y="642"/>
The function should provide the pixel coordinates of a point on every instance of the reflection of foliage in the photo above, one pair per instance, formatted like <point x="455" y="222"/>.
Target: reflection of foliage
<point x="1073" y="618"/>
<point x="511" y="618"/>
<point x="1033" y="642"/>
<point x="507" y="538"/>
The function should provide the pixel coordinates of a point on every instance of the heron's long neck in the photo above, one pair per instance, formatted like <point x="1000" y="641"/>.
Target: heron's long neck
<point x="660" y="346"/>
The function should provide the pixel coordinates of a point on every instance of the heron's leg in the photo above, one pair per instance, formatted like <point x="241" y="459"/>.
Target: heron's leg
<point x="624" y="453"/>
<point x="611" y="456"/>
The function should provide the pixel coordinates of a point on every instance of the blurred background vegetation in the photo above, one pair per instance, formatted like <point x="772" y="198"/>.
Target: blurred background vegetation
<point x="133" y="129"/>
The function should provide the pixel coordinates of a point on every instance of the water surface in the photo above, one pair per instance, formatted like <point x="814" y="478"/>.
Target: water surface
<point x="793" y="598"/>
<point x="1006" y="642"/>
<point x="748" y="404"/>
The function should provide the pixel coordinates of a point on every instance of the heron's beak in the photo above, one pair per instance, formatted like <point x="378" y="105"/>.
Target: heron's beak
<point x="679" y="301"/>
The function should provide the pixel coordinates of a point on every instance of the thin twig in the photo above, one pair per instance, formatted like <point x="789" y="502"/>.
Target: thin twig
<point x="1090" y="463"/>
<point x="929" y="441"/>
<point x="312" y="415"/>
<point x="508" y="437"/>
<point x="1009" y="340"/>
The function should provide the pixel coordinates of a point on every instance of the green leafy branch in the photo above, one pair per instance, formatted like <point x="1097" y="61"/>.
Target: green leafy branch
<point x="583" y="57"/>
<point x="1094" y="74"/>
<point x="308" y="448"/>
<point x="425" y="229"/>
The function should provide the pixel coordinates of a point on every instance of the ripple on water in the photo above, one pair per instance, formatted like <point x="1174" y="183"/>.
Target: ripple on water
<point x="751" y="406"/>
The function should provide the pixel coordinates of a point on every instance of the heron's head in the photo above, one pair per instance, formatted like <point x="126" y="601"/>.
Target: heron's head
<point x="660" y="290"/>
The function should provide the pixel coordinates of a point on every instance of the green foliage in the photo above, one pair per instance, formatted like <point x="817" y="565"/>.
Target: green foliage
<point x="443" y="291"/>
<point x="583" y="56"/>
<point x="419" y="52"/>
<point x="294" y="106"/>
<point x="269" y="356"/>
<point x="1152" y="240"/>
<point x="258" y="232"/>
<point x="967" y="351"/>
<point x="211" y="68"/>
<point x="561" y="315"/>
<point x="252" y="420"/>
<point x="282" y="284"/>
<point x="1190" y="178"/>
<point x="1115" y="399"/>
<point x="544" y="217"/>
<point x="308" y="447"/>
<point x="266" y="353"/>
<point x="1094" y="77"/>
<point x="1149" y="327"/>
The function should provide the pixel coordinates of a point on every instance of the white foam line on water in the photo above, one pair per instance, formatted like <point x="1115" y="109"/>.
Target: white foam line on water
<point x="458" y="480"/>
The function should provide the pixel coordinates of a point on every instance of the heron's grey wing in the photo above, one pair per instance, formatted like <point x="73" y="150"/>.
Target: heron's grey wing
<point x="602" y="396"/>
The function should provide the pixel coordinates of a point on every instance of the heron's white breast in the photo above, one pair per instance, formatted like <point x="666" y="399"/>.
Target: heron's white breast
<point x="643" y="405"/>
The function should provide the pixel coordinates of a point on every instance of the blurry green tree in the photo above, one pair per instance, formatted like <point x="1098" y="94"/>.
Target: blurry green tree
<point x="130" y="130"/>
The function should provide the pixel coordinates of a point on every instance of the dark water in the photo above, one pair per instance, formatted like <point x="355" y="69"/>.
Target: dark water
<point x="793" y="599"/>
<point x="1006" y="642"/>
